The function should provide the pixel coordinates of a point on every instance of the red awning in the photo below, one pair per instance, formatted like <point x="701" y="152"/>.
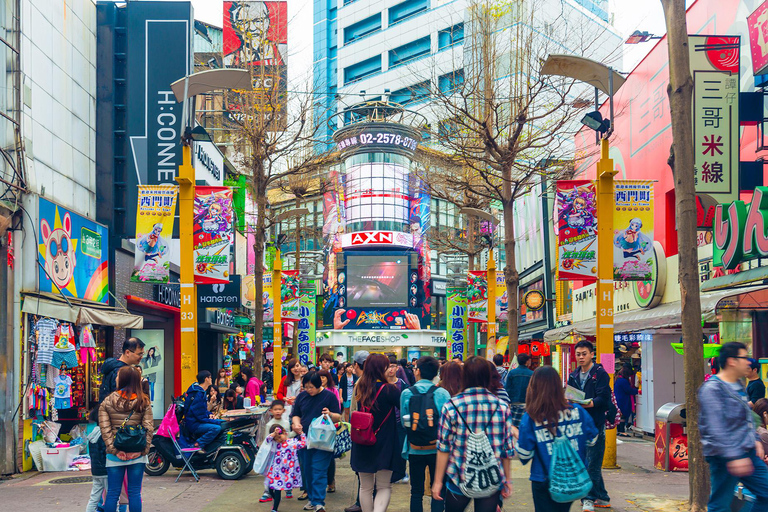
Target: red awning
<point x="152" y="304"/>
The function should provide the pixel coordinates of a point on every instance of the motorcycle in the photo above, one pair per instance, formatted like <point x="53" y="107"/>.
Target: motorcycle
<point x="232" y="453"/>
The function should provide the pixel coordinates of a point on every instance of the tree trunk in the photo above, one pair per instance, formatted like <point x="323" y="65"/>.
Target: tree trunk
<point x="259" y="188"/>
<point x="680" y="91"/>
<point x="511" y="277"/>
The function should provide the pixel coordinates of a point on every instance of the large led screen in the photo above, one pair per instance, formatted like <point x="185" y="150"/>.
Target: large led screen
<point x="377" y="281"/>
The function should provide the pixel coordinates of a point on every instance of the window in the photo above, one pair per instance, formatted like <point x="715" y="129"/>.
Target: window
<point x="450" y="36"/>
<point x="362" y="69"/>
<point x="401" y="11"/>
<point x="451" y="81"/>
<point x="412" y="94"/>
<point x="362" y="28"/>
<point x="408" y="52"/>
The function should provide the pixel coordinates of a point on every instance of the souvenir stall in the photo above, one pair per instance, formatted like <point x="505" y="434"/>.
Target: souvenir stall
<point x="238" y="352"/>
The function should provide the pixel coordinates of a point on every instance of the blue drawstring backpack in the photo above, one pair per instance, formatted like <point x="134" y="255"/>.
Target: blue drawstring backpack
<point x="568" y="477"/>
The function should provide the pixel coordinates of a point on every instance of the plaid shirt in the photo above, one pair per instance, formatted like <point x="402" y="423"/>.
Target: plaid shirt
<point x="477" y="406"/>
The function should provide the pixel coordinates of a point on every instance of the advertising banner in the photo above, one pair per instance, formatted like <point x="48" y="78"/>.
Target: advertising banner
<point x="306" y="336"/>
<point x="715" y="68"/>
<point x="249" y="292"/>
<point x="757" y="23"/>
<point x="456" y="333"/>
<point x="73" y="254"/>
<point x="289" y="291"/>
<point x="266" y="298"/>
<point x="212" y="234"/>
<point x="576" y="210"/>
<point x="154" y="230"/>
<point x="633" y="230"/>
<point x="477" y="296"/>
<point x="502" y="297"/>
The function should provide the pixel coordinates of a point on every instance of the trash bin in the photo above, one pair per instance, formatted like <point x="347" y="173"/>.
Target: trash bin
<point x="671" y="438"/>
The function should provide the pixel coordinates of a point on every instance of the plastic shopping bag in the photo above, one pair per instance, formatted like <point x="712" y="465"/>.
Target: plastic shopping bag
<point x="263" y="458"/>
<point x="322" y="434"/>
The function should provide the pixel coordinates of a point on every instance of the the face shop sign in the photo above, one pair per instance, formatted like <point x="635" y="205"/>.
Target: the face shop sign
<point x="374" y="338"/>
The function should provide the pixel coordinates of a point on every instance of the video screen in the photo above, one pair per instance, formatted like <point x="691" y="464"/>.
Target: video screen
<point x="377" y="281"/>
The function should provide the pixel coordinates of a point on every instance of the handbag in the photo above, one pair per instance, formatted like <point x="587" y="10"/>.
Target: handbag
<point x="130" y="438"/>
<point x="322" y="434"/>
<point x="362" y="424"/>
<point x="343" y="441"/>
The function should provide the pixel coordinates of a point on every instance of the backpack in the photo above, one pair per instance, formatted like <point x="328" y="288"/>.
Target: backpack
<point x="568" y="477"/>
<point x="362" y="424"/>
<point x="480" y="474"/>
<point x="422" y="434"/>
<point x="613" y="414"/>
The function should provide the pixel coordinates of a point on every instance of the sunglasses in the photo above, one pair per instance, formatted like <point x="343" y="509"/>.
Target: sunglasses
<point x="55" y="248"/>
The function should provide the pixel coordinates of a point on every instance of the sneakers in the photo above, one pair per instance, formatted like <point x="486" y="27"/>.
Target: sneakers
<point x="602" y="504"/>
<point x="309" y="506"/>
<point x="265" y="498"/>
<point x="588" y="506"/>
<point x="289" y="494"/>
<point x="319" y="508"/>
<point x="303" y="496"/>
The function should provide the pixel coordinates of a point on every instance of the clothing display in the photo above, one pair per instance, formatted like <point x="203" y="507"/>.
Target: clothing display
<point x="45" y="336"/>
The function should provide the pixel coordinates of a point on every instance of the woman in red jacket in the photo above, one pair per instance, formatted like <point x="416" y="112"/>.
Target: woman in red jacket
<point x="290" y="386"/>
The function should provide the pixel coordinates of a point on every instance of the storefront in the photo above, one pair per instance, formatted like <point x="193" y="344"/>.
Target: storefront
<point x="212" y="334"/>
<point x="403" y="344"/>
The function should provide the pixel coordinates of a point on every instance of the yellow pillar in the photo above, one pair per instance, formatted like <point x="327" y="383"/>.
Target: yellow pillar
<point x="188" y="356"/>
<point x="605" y="207"/>
<point x="490" y="347"/>
<point x="277" y="336"/>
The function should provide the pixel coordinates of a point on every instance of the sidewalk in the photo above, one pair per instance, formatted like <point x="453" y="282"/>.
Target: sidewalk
<point x="636" y="487"/>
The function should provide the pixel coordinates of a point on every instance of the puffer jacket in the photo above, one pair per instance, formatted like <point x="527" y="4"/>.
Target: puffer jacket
<point x="111" y="417"/>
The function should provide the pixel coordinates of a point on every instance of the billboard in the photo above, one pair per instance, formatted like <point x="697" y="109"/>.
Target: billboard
<point x="633" y="230"/>
<point x="576" y="210"/>
<point x="154" y="229"/>
<point x="307" y="328"/>
<point x="376" y="281"/>
<point x="456" y="333"/>
<point x="212" y="234"/>
<point x="73" y="254"/>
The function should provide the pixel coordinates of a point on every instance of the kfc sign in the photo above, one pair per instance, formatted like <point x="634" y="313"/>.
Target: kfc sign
<point x="376" y="238"/>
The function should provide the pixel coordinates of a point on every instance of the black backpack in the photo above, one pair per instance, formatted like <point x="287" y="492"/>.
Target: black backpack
<point x="422" y="434"/>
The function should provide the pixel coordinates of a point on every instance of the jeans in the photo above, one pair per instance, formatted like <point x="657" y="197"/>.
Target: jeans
<point x="115" y="477"/>
<point x="459" y="503"/>
<point x="595" y="467"/>
<point x="419" y="463"/>
<point x="381" y="483"/>
<point x="542" y="500"/>
<point x="98" y="488"/>
<point x="723" y="484"/>
<point x="206" y="432"/>
<point x="314" y="465"/>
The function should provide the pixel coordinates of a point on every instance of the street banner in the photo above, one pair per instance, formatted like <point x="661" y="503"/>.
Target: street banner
<point x="289" y="291"/>
<point x="154" y="230"/>
<point x="306" y="336"/>
<point x="757" y="23"/>
<point x="633" y="230"/>
<point x="212" y="234"/>
<point x="456" y="335"/>
<point x="249" y="292"/>
<point x="477" y="296"/>
<point x="576" y="209"/>
<point x="502" y="297"/>
<point x="715" y="65"/>
<point x="267" y="300"/>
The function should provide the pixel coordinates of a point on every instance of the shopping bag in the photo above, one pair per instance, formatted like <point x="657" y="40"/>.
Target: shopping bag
<point x="263" y="458"/>
<point x="568" y="477"/>
<point x="322" y="434"/>
<point x="343" y="441"/>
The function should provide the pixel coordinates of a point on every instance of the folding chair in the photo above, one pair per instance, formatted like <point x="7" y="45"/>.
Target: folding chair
<point x="186" y="454"/>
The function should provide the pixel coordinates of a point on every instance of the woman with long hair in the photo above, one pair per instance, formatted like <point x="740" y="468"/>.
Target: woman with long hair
<point x="375" y="463"/>
<point x="128" y="406"/>
<point x="290" y="386"/>
<point x="214" y="401"/>
<point x="222" y="381"/>
<point x="549" y="415"/>
<point x="231" y="400"/>
<point x="347" y="383"/>
<point x="253" y="385"/>
<point x="450" y="377"/>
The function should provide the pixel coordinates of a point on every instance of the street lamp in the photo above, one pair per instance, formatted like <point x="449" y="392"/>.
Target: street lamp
<point x="605" y="79"/>
<point x="638" y="37"/>
<point x="184" y="89"/>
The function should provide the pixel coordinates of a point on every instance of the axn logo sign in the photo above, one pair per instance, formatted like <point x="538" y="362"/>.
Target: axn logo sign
<point x="373" y="238"/>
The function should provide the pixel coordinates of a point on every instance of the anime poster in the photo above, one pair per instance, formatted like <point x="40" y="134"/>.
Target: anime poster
<point x="267" y="301"/>
<point x="502" y="297"/>
<point x="212" y="234"/>
<point x="419" y="219"/>
<point x="456" y="333"/>
<point x="289" y="295"/>
<point x="477" y="296"/>
<point x="306" y="335"/>
<point x="576" y="209"/>
<point x="333" y="230"/>
<point x="73" y="254"/>
<point x="633" y="231"/>
<point x="154" y="230"/>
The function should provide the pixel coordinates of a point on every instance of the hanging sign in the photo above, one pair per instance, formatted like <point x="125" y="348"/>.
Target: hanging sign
<point x="633" y="230"/>
<point x="154" y="230"/>
<point x="456" y="323"/>
<point x="306" y="326"/>
<point x="576" y="210"/>
<point x="289" y="291"/>
<point x="477" y="296"/>
<point x="740" y="231"/>
<point x="757" y="23"/>
<point x="212" y="234"/>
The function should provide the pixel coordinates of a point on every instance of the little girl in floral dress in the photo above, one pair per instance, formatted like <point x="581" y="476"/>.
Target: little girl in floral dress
<point x="284" y="473"/>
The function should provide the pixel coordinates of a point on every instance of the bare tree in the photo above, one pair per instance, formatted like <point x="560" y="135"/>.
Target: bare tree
<point x="681" y="160"/>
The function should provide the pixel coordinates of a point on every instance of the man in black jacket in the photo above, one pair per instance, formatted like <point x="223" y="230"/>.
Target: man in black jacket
<point x="133" y="353"/>
<point x="594" y="381"/>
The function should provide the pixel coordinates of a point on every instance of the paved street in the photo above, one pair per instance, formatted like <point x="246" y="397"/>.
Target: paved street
<point x="635" y="487"/>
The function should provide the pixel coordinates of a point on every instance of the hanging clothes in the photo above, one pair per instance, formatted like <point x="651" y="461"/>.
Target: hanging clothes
<point x="45" y="336"/>
<point x="64" y="353"/>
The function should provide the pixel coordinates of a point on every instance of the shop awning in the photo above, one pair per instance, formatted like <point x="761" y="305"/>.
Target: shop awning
<point x="730" y="281"/>
<point x="79" y="311"/>
<point x="661" y="317"/>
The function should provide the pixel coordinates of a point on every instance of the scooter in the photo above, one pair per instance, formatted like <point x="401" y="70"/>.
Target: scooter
<point x="231" y="458"/>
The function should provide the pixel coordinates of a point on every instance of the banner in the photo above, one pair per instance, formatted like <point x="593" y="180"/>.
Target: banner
<point x="248" y="291"/>
<point x="477" y="296"/>
<point x="306" y="336"/>
<point x="576" y="209"/>
<point x="154" y="230"/>
<point x="212" y="234"/>
<point x="633" y="230"/>
<point x="502" y="297"/>
<point x="757" y="23"/>
<point x="289" y="295"/>
<point x="456" y="335"/>
<point x="267" y="300"/>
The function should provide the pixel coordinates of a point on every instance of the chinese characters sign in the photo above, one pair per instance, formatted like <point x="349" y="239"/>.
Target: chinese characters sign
<point x="576" y="210"/>
<point x="633" y="230"/>
<point x="154" y="230"/>
<point x="715" y="68"/>
<point x="740" y="231"/>
<point x="212" y="234"/>
<point x="456" y="323"/>
<point x="306" y="327"/>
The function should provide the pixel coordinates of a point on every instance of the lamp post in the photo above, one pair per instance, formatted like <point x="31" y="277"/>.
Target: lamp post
<point x="604" y="79"/>
<point x="184" y="89"/>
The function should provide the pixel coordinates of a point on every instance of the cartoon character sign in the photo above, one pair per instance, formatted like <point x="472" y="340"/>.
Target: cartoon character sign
<point x="576" y="214"/>
<point x="633" y="230"/>
<point x="60" y="257"/>
<point x="632" y="241"/>
<point x="212" y="234"/>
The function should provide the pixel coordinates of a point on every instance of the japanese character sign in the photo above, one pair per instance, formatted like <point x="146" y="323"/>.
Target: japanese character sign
<point x="456" y="335"/>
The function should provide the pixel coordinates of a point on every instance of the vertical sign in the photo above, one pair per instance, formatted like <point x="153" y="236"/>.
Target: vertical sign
<point x="715" y="67"/>
<point x="154" y="229"/>
<point x="289" y="296"/>
<point x="757" y="23"/>
<point x="306" y="335"/>
<point x="456" y="335"/>
<point x="576" y="230"/>
<point x="633" y="230"/>
<point x="477" y="296"/>
<point x="212" y="234"/>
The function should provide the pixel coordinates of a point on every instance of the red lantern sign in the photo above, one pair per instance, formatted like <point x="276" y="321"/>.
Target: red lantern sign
<point x="535" y="348"/>
<point x="524" y="349"/>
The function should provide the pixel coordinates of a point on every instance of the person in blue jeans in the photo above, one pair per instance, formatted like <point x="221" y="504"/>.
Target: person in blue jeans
<point x="729" y="440"/>
<point x="197" y="417"/>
